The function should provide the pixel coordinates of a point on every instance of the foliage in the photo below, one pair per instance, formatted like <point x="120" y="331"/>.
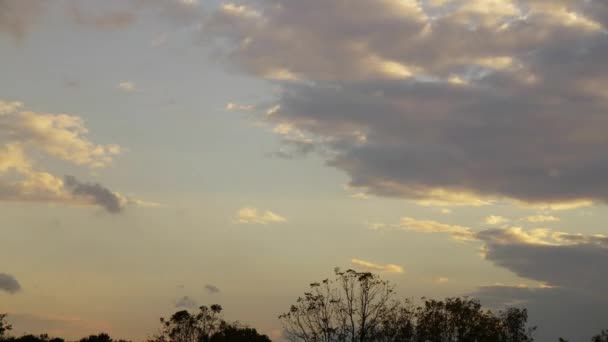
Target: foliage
<point x="35" y="338"/>
<point x="204" y="326"/>
<point x="602" y="337"/>
<point x="358" y="306"/>
<point x="4" y="326"/>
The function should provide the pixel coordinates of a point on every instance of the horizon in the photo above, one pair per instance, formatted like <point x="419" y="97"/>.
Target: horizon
<point x="158" y="155"/>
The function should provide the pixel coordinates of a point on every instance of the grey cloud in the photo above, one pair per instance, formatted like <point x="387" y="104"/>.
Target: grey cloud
<point x="571" y="268"/>
<point x="212" y="289"/>
<point x="122" y="14"/>
<point x="186" y="302"/>
<point x="578" y="267"/>
<point x="9" y="284"/>
<point x="557" y="312"/>
<point x="294" y="149"/>
<point x="575" y="306"/>
<point x="524" y="121"/>
<point x="17" y="16"/>
<point x="98" y="193"/>
<point x="112" y="19"/>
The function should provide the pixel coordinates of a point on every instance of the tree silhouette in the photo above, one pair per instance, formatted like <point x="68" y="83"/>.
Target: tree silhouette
<point x="237" y="333"/>
<point x="350" y="308"/>
<point x="206" y="325"/>
<point x="101" y="337"/>
<point x="360" y="307"/>
<point x="4" y="326"/>
<point x="602" y="337"/>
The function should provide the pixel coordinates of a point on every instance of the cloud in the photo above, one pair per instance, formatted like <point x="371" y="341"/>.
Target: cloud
<point x="17" y="17"/>
<point x="569" y="266"/>
<point x="457" y="98"/>
<point x="360" y="196"/>
<point x="377" y="226"/>
<point x="253" y="216"/>
<point x="495" y="220"/>
<point x="370" y="266"/>
<point x="573" y="264"/>
<point x="112" y="19"/>
<point x="99" y="194"/>
<point x="212" y="289"/>
<point x="235" y="107"/>
<point x="442" y="280"/>
<point x="186" y="302"/>
<point x="26" y="134"/>
<point x="553" y="310"/>
<point x="9" y="284"/>
<point x="541" y="218"/>
<point x="59" y="135"/>
<point x="127" y="86"/>
<point x="429" y="226"/>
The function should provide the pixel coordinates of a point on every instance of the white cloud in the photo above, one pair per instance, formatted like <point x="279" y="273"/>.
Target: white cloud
<point x="429" y="226"/>
<point x="239" y="11"/>
<point x="359" y="195"/>
<point x="442" y="280"/>
<point x="26" y="135"/>
<point x="495" y="220"/>
<point x="377" y="226"/>
<point x="9" y="107"/>
<point x="127" y="86"/>
<point x="370" y="266"/>
<point x="235" y="107"/>
<point x="273" y="110"/>
<point x="541" y="218"/>
<point x="250" y="215"/>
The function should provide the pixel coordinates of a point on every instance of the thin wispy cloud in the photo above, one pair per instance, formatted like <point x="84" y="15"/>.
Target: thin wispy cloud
<point x="236" y="107"/>
<point x="495" y="220"/>
<point x="370" y="266"/>
<point x="186" y="302"/>
<point x="541" y="218"/>
<point x="212" y="289"/>
<point x="441" y="280"/>
<point x="429" y="226"/>
<point x="127" y="87"/>
<point x="254" y="216"/>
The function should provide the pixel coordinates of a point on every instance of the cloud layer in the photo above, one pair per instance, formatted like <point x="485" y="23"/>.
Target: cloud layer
<point x="501" y="99"/>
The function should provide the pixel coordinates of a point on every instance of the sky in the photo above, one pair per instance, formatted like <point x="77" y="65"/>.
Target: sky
<point x="158" y="155"/>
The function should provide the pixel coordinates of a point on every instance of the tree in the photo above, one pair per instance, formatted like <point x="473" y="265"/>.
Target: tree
<point x="205" y="326"/>
<point x="183" y="326"/>
<point x="238" y="333"/>
<point x="34" y="338"/>
<point x="463" y="319"/>
<point x="4" y="326"/>
<point x="602" y="337"/>
<point x="101" y="337"/>
<point x="360" y="307"/>
<point x="353" y="307"/>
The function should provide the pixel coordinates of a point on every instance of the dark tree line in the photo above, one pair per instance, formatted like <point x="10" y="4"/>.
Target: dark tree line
<point x="206" y="325"/>
<point x="353" y="307"/>
<point x="360" y="307"/>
